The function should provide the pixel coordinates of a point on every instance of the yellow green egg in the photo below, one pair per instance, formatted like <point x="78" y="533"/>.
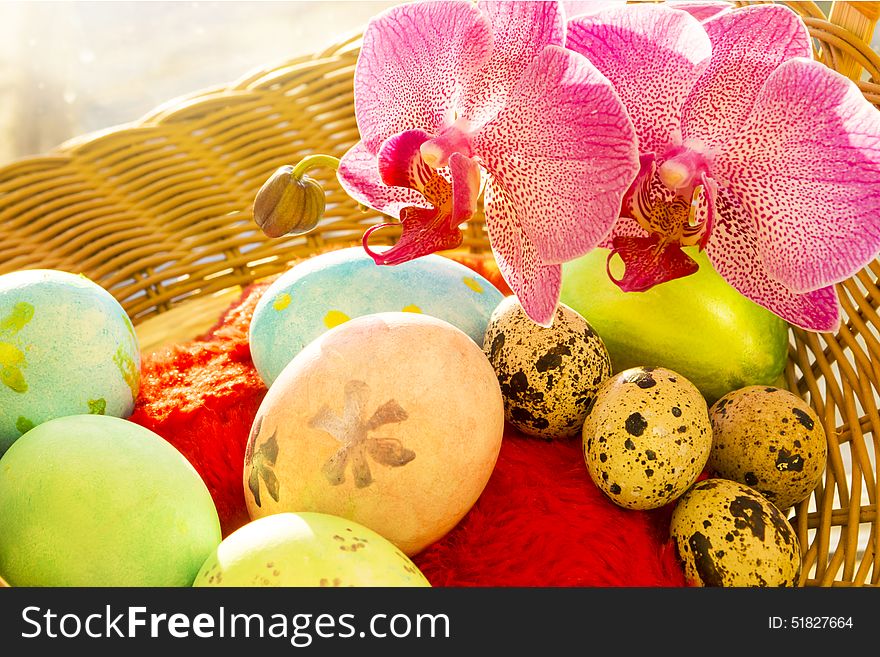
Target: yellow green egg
<point x="92" y="500"/>
<point x="67" y="347"/>
<point x="309" y="550"/>
<point x="330" y="289"/>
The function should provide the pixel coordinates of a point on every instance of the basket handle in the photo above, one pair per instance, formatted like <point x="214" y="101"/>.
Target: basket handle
<point x="860" y="18"/>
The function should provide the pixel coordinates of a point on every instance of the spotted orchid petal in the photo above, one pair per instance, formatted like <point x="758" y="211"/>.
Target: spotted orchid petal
<point x="358" y="174"/>
<point x="806" y="167"/>
<point x="734" y="253"/>
<point x="748" y="44"/>
<point x="563" y="150"/>
<point x="624" y="227"/>
<point x="535" y="284"/>
<point x="414" y="64"/>
<point x="653" y="55"/>
<point x="520" y="30"/>
<point x="702" y="11"/>
<point x="425" y="230"/>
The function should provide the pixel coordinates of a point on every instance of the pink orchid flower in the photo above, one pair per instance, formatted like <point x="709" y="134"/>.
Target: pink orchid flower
<point x="749" y="148"/>
<point x="453" y="98"/>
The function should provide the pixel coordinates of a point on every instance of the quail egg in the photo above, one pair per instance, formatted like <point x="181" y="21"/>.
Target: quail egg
<point x="548" y="376"/>
<point x="769" y="439"/>
<point x="647" y="438"/>
<point x="728" y="534"/>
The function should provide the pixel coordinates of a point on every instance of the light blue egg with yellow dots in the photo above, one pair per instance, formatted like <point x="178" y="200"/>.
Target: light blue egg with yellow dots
<point x="328" y="289"/>
<point x="67" y="347"/>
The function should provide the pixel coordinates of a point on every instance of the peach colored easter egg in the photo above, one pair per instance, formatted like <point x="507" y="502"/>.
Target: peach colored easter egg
<point x="393" y="420"/>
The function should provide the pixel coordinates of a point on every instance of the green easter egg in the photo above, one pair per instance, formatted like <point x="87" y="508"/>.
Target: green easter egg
<point x="698" y="326"/>
<point x="307" y="549"/>
<point x="95" y="500"/>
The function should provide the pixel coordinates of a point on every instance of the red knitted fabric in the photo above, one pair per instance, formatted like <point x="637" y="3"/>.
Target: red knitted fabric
<point x="539" y="522"/>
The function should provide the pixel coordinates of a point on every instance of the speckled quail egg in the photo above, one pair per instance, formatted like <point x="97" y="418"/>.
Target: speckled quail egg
<point x="548" y="376"/>
<point x="647" y="437"/>
<point x="769" y="439"/>
<point x="728" y="534"/>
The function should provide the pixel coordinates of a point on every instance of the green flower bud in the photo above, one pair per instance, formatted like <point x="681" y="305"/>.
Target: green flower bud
<point x="287" y="204"/>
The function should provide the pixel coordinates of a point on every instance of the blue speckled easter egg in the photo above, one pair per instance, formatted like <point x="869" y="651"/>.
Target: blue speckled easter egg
<point x="329" y="289"/>
<point x="66" y="348"/>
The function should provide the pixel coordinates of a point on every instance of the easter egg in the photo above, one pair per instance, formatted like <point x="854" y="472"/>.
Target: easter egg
<point x="647" y="437"/>
<point x="548" y="375"/>
<point x="728" y="534"/>
<point x="328" y="289"/>
<point x="307" y="549"/>
<point x="698" y="325"/>
<point x="94" y="500"/>
<point x="66" y="348"/>
<point x="392" y="420"/>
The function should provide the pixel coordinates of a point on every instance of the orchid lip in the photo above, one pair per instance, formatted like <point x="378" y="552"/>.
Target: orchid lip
<point x="396" y="256"/>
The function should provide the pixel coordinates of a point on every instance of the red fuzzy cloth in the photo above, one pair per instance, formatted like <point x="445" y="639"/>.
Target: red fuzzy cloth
<point x="540" y="521"/>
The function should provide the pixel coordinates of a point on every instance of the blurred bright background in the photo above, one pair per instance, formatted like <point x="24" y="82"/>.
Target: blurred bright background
<point x="68" y="68"/>
<point x="71" y="67"/>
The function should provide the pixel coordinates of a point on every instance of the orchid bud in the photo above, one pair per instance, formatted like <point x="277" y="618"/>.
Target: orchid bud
<point x="287" y="204"/>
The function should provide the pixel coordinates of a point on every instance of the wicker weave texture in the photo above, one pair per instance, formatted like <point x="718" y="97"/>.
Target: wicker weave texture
<point x="160" y="211"/>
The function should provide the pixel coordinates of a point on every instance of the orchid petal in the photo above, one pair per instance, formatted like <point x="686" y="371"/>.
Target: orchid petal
<point x="747" y="45"/>
<point x="535" y="284"/>
<point x="564" y="151"/>
<point x="649" y="261"/>
<point x="358" y="174"/>
<point x="806" y="167"/>
<point x="653" y="55"/>
<point x="702" y="11"/>
<point x="414" y="63"/>
<point x="520" y="32"/>
<point x="733" y="252"/>
<point x="624" y="227"/>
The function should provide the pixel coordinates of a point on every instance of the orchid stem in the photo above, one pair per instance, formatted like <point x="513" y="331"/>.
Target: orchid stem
<point x="313" y="161"/>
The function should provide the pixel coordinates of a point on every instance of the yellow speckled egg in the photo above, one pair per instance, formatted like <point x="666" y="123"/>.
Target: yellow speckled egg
<point x="307" y="549"/>
<point x="769" y="439"/>
<point x="647" y="437"/>
<point x="728" y="534"/>
<point x="392" y="420"/>
<point x="548" y="376"/>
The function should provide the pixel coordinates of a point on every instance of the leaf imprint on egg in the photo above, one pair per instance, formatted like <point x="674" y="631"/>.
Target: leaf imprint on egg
<point x="12" y="358"/>
<point x="352" y="430"/>
<point x="262" y="462"/>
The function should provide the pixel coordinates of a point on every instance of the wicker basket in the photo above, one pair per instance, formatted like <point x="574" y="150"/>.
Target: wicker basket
<point x="159" y="213"/>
